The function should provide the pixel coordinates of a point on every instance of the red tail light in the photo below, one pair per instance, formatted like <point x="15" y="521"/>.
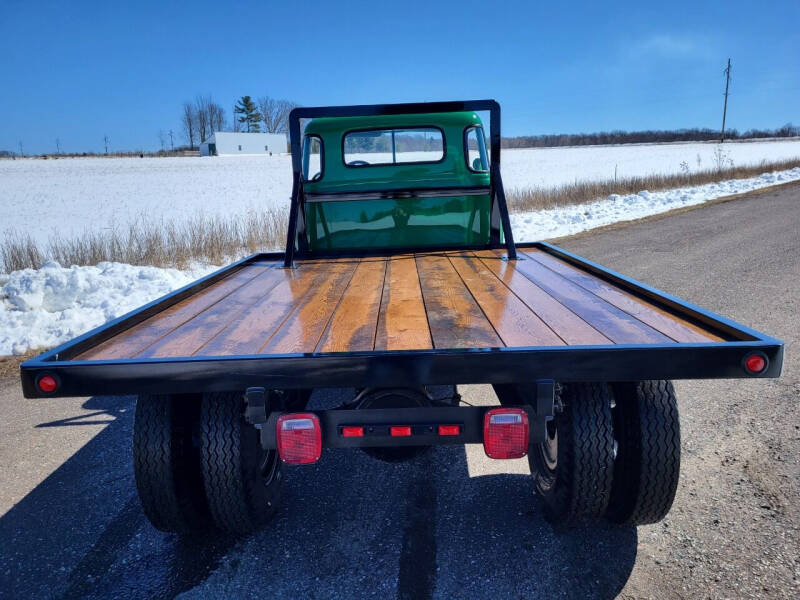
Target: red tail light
<point x="299" y="437"/>
<point x="400" y="430"/>
<point x="352" y="431"/>
<point x="505" y="433"/>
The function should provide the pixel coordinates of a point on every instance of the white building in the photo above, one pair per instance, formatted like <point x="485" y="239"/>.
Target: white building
<point x="227" y="143"/>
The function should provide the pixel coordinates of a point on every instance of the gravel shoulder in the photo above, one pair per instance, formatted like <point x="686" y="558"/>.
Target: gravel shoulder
<point x="453" y="523"/>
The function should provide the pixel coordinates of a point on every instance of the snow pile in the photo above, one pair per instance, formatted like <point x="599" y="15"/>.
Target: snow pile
<point x="48" y="306"/>
<point x="567" y="220"/>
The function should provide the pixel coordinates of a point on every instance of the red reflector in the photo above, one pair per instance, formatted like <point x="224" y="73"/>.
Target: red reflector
<point x="47" y="383"/>
<point x="400" y="430"/>
<point x="755" y="363"/>
<point x="505" y="433"/>
<point x="352" y="432"/>
<point x="299" y="438"/>
<point x="449" y="429"/>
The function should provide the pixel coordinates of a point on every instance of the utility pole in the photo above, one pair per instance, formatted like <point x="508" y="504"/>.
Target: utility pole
<point x="21" y="152"/>
<point x="105" y="141"/>
<point x="725" y="106"/>
<point x="171" y="142"/>
<point x="58" y="146"/>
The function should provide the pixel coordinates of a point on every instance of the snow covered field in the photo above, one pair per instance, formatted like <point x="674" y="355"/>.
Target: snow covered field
<point x="73" y="195"/>
<point x="48" y="306"/>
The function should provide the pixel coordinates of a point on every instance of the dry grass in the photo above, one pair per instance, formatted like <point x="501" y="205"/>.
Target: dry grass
<point x="216" y="239"/>
<point x="9" y="365"/>
<point x="588" y="191"/>
<point x="209" y="239"/>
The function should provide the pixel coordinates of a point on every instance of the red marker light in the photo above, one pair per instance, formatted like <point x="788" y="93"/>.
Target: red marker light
<point x="47" y="384"/>
<point x="449" y="429"/>
<point x="400" y="430"/>
<point x="755" y="363"/>
<point x="352" y="432"/>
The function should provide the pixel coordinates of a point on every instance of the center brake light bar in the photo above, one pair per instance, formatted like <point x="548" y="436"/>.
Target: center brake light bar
<point x="299" y="437"/>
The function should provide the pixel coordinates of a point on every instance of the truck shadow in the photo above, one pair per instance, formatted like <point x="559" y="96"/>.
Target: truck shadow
<point x="350" y="526"/>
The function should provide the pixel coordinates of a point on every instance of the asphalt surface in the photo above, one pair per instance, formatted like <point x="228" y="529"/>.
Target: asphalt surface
<point x="452" y="523"/>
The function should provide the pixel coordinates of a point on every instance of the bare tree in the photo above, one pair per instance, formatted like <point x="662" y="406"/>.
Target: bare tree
<point x="275" y="114"/>
<point x="216" y="117"/>
<point x="161" y="139"/>
<point x="189" y="123"/>
<point x="105" y="142"/>
<point x="201" y="109"/>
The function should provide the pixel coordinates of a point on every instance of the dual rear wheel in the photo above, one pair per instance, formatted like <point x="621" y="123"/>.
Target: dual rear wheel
<point x="197" y="462"/>
<point x="612" y="450"/>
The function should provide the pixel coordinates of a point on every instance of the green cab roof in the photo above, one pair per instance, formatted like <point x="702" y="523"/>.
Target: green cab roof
<point x="328" y="125"/>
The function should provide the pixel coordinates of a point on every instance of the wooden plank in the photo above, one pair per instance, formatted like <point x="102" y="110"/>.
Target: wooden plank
<point x="137" y="338"/>
<point x="303" y="328"/>
<point x="455" y="319"/>
<point x="612" y="322"/>
<point x="512" y="319"/>
<point x="192" y="335"/>
<point x="671" y="325"/>
<point x="569" y="326"/>
<point x="354" y="322"/>
<point x="402" y="322"/>
<point x="253" y="328"/>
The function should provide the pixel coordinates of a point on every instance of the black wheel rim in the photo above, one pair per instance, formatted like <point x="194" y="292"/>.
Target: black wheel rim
<point x="549" y="448"/>
<point x="268" y="465"/>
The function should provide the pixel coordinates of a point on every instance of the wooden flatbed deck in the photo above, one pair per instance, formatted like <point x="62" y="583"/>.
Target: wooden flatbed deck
<point x="443" y="300"/>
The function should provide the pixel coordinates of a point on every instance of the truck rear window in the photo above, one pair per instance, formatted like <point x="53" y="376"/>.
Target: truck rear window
<point x="393" y="146"/>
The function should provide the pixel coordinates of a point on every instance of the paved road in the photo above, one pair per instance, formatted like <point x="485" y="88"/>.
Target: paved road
<point x="453" y="524"/>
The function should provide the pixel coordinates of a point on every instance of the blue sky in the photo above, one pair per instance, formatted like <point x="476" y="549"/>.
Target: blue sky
<point x="79" y="70"/>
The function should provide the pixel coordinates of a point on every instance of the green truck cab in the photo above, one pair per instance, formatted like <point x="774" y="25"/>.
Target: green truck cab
<point x="432" y="170"/>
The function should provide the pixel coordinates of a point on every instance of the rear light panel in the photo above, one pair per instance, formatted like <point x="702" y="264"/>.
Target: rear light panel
<point x="505" y="433"/>
<point x="299" y="438"/>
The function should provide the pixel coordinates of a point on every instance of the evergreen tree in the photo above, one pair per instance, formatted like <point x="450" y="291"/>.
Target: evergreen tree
<point x="250" y="116"/>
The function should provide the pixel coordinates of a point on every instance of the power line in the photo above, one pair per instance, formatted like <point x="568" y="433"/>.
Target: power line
<point x="725" y="106"/>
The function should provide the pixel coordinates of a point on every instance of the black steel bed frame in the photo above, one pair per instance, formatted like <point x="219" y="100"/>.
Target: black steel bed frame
<point x="625" y="362"/>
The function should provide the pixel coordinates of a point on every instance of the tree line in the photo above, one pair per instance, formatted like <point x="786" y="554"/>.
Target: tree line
<point x="637" y="137"/>
<point x="203" y="116"/>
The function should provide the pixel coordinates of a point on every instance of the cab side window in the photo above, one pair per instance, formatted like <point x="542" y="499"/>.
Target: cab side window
<point x="475" y="150"/>
<point x="312" y="158"/>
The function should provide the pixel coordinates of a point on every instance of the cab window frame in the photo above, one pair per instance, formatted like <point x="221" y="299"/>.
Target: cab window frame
<point x="396" y="128"/>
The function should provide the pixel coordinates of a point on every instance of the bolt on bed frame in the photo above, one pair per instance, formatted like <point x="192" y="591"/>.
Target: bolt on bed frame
<point x="296" y="235"/>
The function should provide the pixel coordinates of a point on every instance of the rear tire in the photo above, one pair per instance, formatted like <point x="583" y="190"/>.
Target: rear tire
<point x="242" y="480"/>
<point x="647" y="429"/>
<point x="573" y="468"/>
<point x="166" y="464"/>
